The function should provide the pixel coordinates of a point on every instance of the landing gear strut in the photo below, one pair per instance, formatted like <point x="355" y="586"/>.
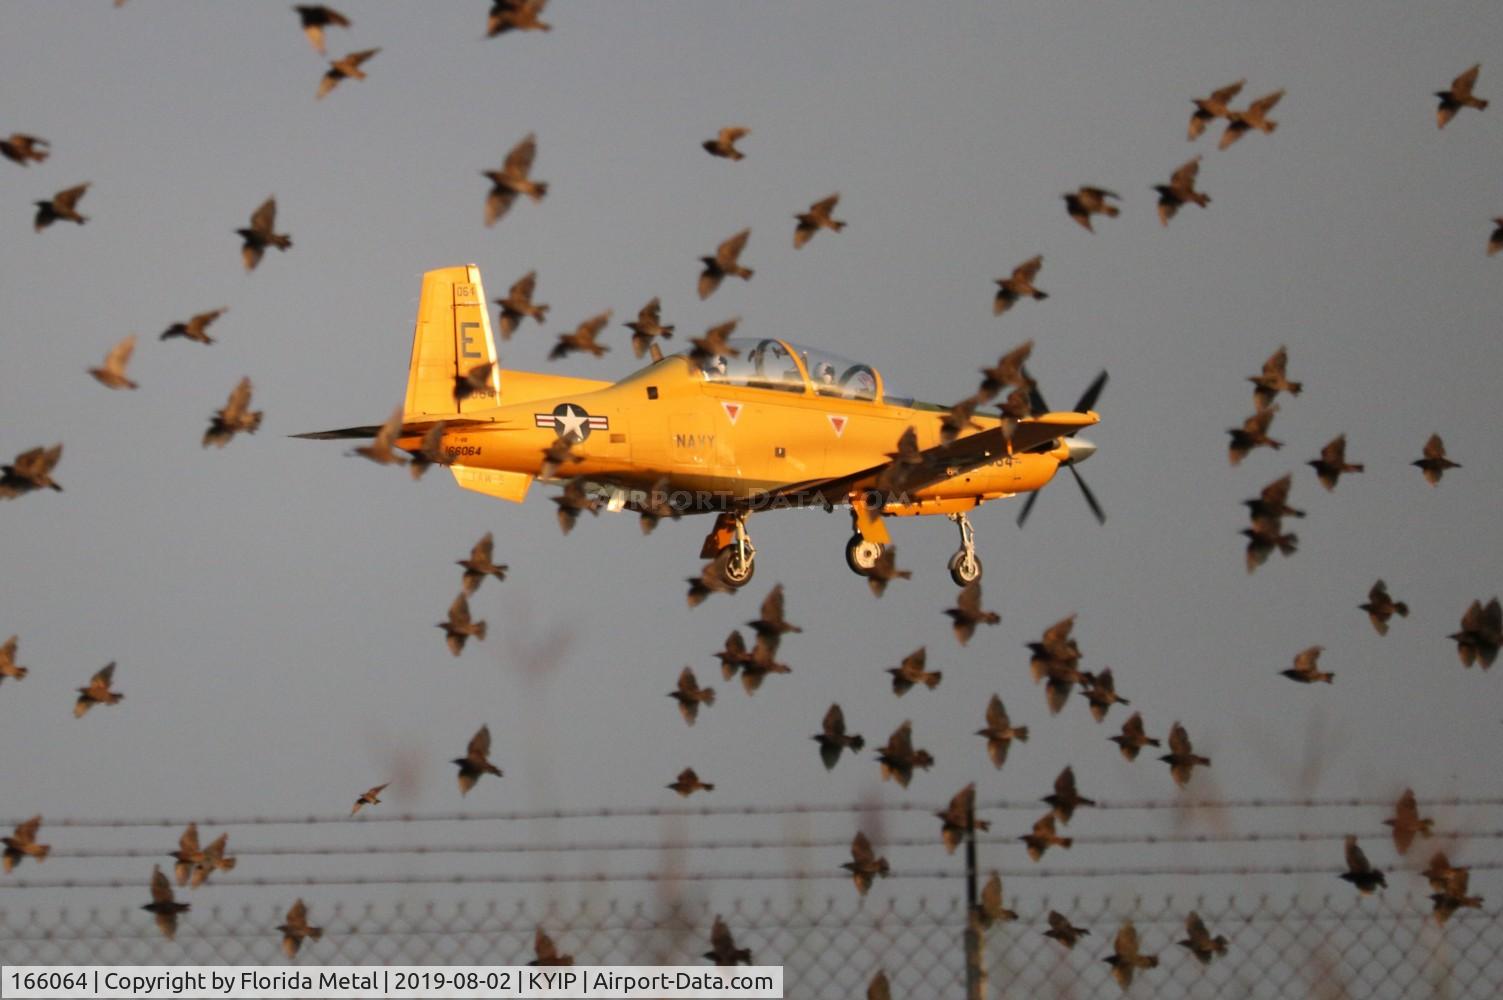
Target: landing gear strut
<point x="731" y="550"/>
<point x="965" y="567"/>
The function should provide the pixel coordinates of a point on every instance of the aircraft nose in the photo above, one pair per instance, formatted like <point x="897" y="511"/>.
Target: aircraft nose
<point x="1080" y="449"/>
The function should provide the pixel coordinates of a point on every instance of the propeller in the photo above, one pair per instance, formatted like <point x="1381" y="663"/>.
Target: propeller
<point x="1080" y="450"/>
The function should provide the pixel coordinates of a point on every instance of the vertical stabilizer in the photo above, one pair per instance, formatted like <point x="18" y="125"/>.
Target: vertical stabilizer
<point x="452" y="337"/>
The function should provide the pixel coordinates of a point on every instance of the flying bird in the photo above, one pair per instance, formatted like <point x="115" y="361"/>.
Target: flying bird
<point x="690" y="695"/>
<point x="818" y="217"/>
<point x="430" y="451"/>
<point x="24" y="149"/>
<point x="22" y="843"/>
<point x="188" y="855"/>
<point x="1305" y="670"/>
<point x="1126" y="958"/>
<point x="713" y="346"/>
<point x="345" y="68"/>
<point x="1271" y="505"/>
<point x="1262" y="538"/>
<point x="1089" y="201"/>
<point x="1208" y="109"/>
<point x="213" y="860"/>
<point x="959" y="418"/>
<point x="1133" y="738"/>
<point x="761" y="663"/>
<point x="1380" y="607"/>
<point x="1018" y="285"/>
<point x="582" y="338"/>
<point x="63" y="206"/>
<point x="1407" y="822"/>
<point x="474" y="382"/>
<point x="723" y="950"/>
<point x="516" y="15"/>
<point x="1101" y="691"/>
<point x="959" y="818"/>
<point x="1000" y="732"/>
<point x="383" y="447"/>
<point x="1273" y="380"/>
<point x="655" y="505"/>
<point x="1044" y="837"/>
<point x="725" y="262"/>
<point x="97" y="692"/>
<point x="296" y="929"/>
<point x="865" y="867"/>
<point x="1359" y="871"/>
<point x="1199" y="942"/>
<point x="1252" y="434"/>
<point x="647" y="326"/>
<point x="30" y="470"/>
<point x="990" y="910"/>
<point x="8" y="665"/>
<point x="878" y="988"/>
<point x="197" y="328"/>
<point x="1435" y="463"/>
<point x="459" y="627"/>
<point x="1181" y="758"/>
<point x="724" y="144"/>
<point x="480" y="565"/>
<point x="1451" y="895"/>
<point x="687" y="783"/>
<point x="1458" y="96"/>
<point x="772" y="625"/>
<point x="369" y="797"/>
<point x="1481" y="634"/>
<point x="1179" y="190"/>
<point x="1495" y="241"/>
<point x="315" y="19"/>
<point x="518" y="305"/>
<point x="575" y="501"/>
<point x="546" y="953"/>
<point x="235" y="416"/>
<point x="885" y="570"/>
<point x="832" y="737"/>
<point x="560" y="452"/>
<point x="163" y="905"/>
<point x="1066" y="798"/>
<point x="112" y="372"/>
<point x="1239" y="123"/>
<point x="968" y="613"/>
<point x="1008" y="372"/>
<point x="1061" y="930"/>
<point x="262" y="234"/>
<point x="899" y="758"/>
<point x="912" y="672"/>
<point x="513" y="179"/>
<point x="702" y="586"/>
<point x="476" y="761"/>
<point x="1332" y="462"/>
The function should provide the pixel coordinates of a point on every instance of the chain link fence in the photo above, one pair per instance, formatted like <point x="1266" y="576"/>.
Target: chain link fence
<point x="1335" y="946"/>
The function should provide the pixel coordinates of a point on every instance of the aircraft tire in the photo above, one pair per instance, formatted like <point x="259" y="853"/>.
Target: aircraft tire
<point x="961" y="572"/>
<point x="738" y="576"/>
<point x="861" y="555"/>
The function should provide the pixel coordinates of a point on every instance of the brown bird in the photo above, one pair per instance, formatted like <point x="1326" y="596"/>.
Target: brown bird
<point x="188" y="855"/>
<point x="1089" y="201"/>
<point x="97" y="692"/>
<point x="712" y="346"/>
<point x="1272" y="380"/>
<point x="655" y="505"/>
<point x="1271" y="505"/>
<point x="1262" y="538"/>
<point x="512" y="179"/>
<point x="725" y="262"/>
<point x="706" y="583"/>
<point x="235" y="416"/>
<point x="1495" y="241"/>
<point x="8" y="665"/>
<point x="1000" y="732"/>
<point x="885" y="570"/>
<point x="818" y="217"/>
<point x="459" y="627"/>
<point x="906" y="460"/>
<point x="1066" y="798"/>
<point x="1044" y="837"/>
<point x="1451" y="895"/>
<point x="1133" y="739"/>
<point x="1406" y="822"/>
<point x="1304" y="670"/>
<point x="1061" y="930"/>
<point x="296" y="929"/>
<point x="878" y="989"/>
<point x="967" y="613"/>
<point x="832" y="738"/>
<point x="990" y="910"/>
<point x="1200" y="943"/>
<point x="733" y="655"/>
<point x="1055" y="649"/>
<point x="476" y="761"/>
<point x="573" y="502"/>
<point x="22" y="843"/>
<point x="723" y="950"/>
<point x="1439" y="872"/>
<point x="1252" y="434"/>
<point x="112" y="372"/>
<point x="865" y="867"/>
<point x="479" y="565"/>
<point x="1380" y="607"/>
<point x="31" y="470"/>
<point x="262" y="234"/>
<point x="1181" y="758"/>
<point x="912" y="672"/>
<point x="958" y="419"/>
<point x="369" y="797"/>
<point x="756" y="667"/>
<point x="690" y="695"/>
<point x="1208" y="109"/>
<point x="1239" y="123"/>
<point x="1332" y="462"/>
<point x="213" y="860"/>
<point x="1179" y="190"/>
<point x="1017" y="285"/>
<point x="1359" y="872"/>
<point x="315" y="19"/>
<point x="560" y="452"/>
<point x="382" y="449"/>
<point x="23" y="149"/>
<point x="345" y="68"/>
<point x="583" y="338"/>
<point x="474" y="382"/>
<point x="546" y="953"/>
<point x="163" y="905"/>
<point x="1008" y="372"/>
<point x="647" y="326"/>
<point x="516" y="15"/>
<point x="197" y="328"/>
<point x="1481" y="634"/>
<point x="1125" y="957"/>
<point x="430" y="451"/>
<point x="772" y="626"/>
<point x="687" y="783"/>
<point x="899" y="758"/>
<point x="518" y="305"/>
<point x="1101" y="691"/>
<point x="1458" y="96"/>
<point x="959" y="818"/>
<point x="62" y="206"/>
<point x="1435" y="463"/>
<point x="724" y="144"/>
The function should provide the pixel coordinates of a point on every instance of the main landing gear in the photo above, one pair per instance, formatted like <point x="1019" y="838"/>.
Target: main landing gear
<point x="730" y="549"/>
<point x="861" y="555"/>
<point x="965" y="567"/>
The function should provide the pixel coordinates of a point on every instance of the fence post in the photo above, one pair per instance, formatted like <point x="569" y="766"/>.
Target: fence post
<point x="975" y="971"/>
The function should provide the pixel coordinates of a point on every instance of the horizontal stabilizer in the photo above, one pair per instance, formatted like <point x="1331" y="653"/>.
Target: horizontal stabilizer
<point x="492" y="482"/>
<point x="415" y="428"/>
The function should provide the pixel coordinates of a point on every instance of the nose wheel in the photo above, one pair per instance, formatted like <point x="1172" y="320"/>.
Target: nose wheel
<point x="735" y="562"/>
<point x="862" y="555"/>
<point x="965" y="566"/>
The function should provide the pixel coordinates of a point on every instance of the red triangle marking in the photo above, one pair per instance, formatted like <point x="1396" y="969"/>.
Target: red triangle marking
<point x="732" y="411"/>
<point x="838" y="423"/>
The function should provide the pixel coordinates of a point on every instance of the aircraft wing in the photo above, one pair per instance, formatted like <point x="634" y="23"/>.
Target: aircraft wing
<point x="947" y="460"/>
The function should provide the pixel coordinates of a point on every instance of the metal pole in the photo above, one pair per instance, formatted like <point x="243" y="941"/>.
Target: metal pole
<point x="975" y="972"/>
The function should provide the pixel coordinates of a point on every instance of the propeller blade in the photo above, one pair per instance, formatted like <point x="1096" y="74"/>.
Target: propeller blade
<point x="1090" y="498"/>
<point x="1027" y="507"/>
<point x="1087" y="400"/>
<point x="1035" y="398"/>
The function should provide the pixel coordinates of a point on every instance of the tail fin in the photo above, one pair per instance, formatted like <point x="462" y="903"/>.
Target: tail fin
<point x="452" y="337"/>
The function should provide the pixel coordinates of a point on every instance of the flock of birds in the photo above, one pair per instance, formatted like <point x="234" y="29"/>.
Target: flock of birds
<point x="1056" y="658"/>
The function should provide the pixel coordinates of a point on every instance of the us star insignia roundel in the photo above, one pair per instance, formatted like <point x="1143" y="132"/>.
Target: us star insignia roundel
<point x="570" y="421"/>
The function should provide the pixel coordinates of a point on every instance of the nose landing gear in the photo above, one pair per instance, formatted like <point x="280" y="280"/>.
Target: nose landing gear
<point x="730" y="548"/>
<point x="964" y="565"/>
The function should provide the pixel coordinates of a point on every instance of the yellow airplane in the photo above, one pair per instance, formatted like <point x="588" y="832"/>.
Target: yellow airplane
<point x="759" y="425"/>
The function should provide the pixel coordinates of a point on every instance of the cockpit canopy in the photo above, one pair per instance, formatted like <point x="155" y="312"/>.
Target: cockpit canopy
<point x="770" y="363"/>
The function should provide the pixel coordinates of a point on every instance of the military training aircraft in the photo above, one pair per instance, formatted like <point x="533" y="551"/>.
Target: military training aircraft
<point x="730" y="427"/>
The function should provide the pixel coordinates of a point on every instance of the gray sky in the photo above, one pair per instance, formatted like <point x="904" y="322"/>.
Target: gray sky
<point x="271" y="605"/>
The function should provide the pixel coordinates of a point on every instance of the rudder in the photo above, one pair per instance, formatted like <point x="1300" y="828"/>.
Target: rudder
<point x="451" y="338"/>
